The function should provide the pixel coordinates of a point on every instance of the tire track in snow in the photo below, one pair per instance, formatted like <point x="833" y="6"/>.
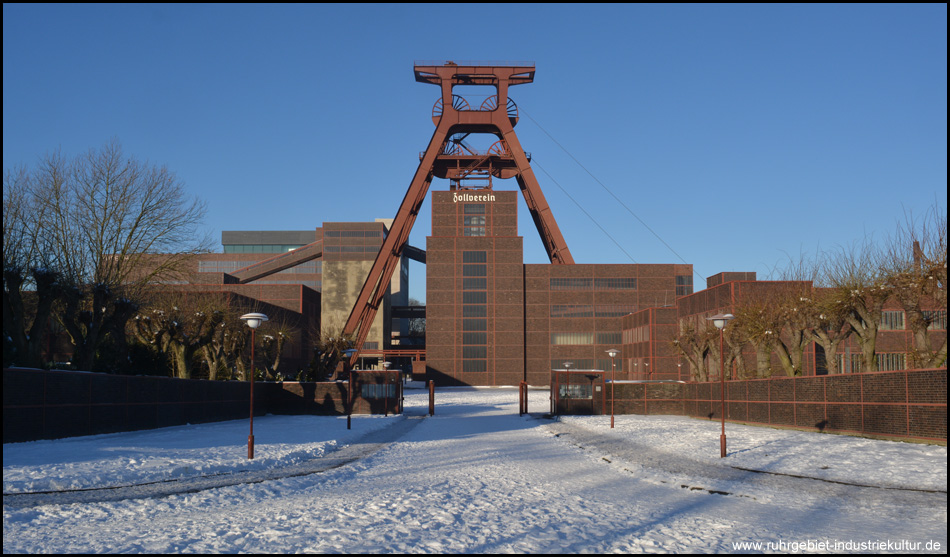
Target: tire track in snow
<point x="363" y="447"/>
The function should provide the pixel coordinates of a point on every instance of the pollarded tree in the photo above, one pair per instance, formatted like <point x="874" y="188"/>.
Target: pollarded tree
<point x="694" y="344"/>
<point x="915" y="262"/>
<point x="179" y="326"/>
<point x="860" y="286"/>
<point x="32" y="282"/>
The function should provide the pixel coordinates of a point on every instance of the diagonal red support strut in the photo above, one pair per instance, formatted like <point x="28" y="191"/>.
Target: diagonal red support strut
<point x="452" y="120"/>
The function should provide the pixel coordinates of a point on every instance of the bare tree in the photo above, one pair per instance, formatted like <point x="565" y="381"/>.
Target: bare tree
<point x="915" y="261"/>
<point x="32" y="282"/>
<point x="861" y="288"/>
<point x="105" y="220"/>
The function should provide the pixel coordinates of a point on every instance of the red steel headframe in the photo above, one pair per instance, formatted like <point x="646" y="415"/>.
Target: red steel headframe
<point x="457" y="119"/>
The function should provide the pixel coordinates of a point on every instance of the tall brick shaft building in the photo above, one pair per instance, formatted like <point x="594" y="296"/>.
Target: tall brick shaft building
<point x="493" y="320"/>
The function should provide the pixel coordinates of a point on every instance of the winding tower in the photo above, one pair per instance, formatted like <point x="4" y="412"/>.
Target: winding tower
<point x="448" y="156"/>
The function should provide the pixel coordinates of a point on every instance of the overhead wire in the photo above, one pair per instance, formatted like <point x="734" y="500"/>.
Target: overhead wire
<point x="622" y="204"/>
<point x="534" y="162"/>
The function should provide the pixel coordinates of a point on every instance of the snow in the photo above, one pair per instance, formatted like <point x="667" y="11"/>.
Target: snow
<point x="474" y="478"/>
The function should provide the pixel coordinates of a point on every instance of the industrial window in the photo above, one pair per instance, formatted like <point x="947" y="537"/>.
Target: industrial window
<point x="474" y="338"/>
<point x="890" y="362"/>
<point x="936" y="320"/>
<point x="892" y="321"/>
<point x="603" y="284"/>
<point x="684" y="285"/>
<point x="474" y="324"/>
<point x="474" y="270"/>
<point x="474" y="231"/>
<point x="474" y="209"/>
<point x="475" y="311"/>
<point x="850" y="363"/>
<point x="474" y="220"/>
<point x="475" y="352"/>
<point x="474" y="284"/>
<point x="574" y="338"/>
<point x="570" y="284"/>
<point x="474" y="256"/>
<point x="474" y="297"/>
<point x="474" y="366"/>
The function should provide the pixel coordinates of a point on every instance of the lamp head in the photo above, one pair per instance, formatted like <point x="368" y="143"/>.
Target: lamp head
<point x="720" y="320"/>
<point x="254" y="320"/>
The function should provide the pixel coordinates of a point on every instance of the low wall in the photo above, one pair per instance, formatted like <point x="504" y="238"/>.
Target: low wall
<point x="907" y="404"/>
<point x="41" y="404"/>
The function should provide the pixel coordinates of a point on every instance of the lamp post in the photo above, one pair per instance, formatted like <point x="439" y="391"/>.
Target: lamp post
<point x="349" y="388"/>
<point x="613" y="373"/>
<point x="253" y="321"/>
<point x="720" y="321"/>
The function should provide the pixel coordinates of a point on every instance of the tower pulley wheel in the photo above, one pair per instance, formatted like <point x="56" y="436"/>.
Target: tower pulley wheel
<point x="491" y="103"/>
<point x="458" y="103"/>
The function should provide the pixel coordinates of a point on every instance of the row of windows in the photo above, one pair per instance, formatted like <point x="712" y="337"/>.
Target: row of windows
<point x="587" y="310"/>
<point x="637" y="334"/>
<point x="474" y="284"/>
<point x="351" y="249"/>
<point x="474" y="270"/>
<point x="474" y="209"/>
<point x="260" y="248"/>
<point x="474" y="257"/>
<point x="894" y="320"/>
<point x="352" y="233"/>
<point x="597" y="284"/>
<point x="937" y="319"/>
<point x="311" y="267"/>
<point x="474" y="308"/>
<point x="474" y="297"/>
<point x="578" y="338"/>
<point x="854" y="363"/>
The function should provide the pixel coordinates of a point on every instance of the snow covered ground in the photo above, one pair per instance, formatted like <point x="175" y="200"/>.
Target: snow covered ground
<point x="474" y="478"/>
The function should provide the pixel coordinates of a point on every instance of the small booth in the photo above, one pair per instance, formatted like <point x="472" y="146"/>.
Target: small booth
<point x="577" y="392"/>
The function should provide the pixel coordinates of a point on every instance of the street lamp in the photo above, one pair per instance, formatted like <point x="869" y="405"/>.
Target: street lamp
<point x="349" y="388"/>
<point x="720" y="321"/>
<point x="253" y="321"/>
<point x="613" y="386"/>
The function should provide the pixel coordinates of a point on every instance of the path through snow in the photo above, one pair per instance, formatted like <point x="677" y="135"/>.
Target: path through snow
<point x="478" y="478"/>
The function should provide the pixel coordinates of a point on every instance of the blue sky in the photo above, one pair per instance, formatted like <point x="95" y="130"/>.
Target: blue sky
<point x="740" y="135"/>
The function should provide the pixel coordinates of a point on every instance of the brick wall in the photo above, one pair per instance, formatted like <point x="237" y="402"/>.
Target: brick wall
<point x="53" y="404"/>
<point x="908" y="404"/>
